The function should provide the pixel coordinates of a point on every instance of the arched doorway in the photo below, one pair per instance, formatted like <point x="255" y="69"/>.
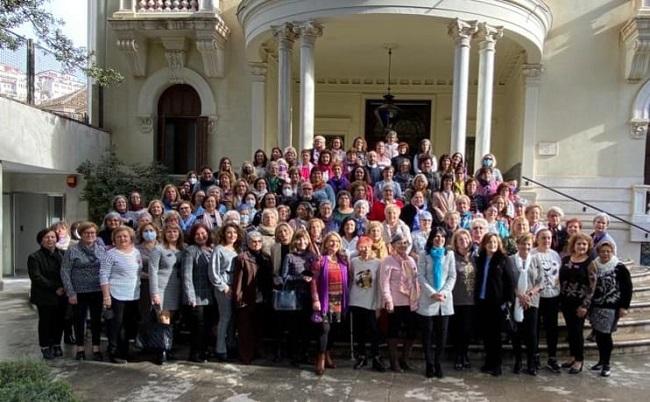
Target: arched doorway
<point x="181" y="144"/>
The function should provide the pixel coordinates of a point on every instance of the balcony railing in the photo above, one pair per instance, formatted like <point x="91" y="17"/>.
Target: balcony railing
<point x="175" y="7"/>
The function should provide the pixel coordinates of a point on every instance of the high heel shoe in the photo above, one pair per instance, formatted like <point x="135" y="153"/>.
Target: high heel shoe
<point x="574" y="370"/>
<point x="568" y="364"/>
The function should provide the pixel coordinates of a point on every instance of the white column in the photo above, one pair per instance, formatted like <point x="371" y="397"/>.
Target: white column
<point x="285" y="36"/>
<point x="531" y="74"/>
<point x="309" y="31"/>
<point x="258" y="104"/>
<point x="461" y="31"/>
<point x="487" y="36"/>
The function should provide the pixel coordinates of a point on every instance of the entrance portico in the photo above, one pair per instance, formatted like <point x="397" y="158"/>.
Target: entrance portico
<point x="456" y="57"/>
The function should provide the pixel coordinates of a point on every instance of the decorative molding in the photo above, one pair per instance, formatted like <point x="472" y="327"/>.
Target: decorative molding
<point x="212" y="52"/>
<point x="206" y="30"/>
<point x="146" y="124"/>
<point x="462" y="31"/>
<point x="308" y="32"/>
<point x="638" y="129"/>
<point x="488" y="33"/>
<point x="532" y="73"/>
<point x="135" y="49"/>
<point x="175" y="56"/>
<point x="635" y="36"/>
<point x="212" y="124"/>
<point x="258" y="70"/>
<point x="285" y="35"/>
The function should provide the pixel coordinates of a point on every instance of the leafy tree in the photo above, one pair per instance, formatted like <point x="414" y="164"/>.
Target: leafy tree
<point x="14" y="13"/>
<point x="110" y="176"/>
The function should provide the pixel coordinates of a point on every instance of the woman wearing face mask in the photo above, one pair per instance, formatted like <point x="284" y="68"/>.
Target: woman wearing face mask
<point x="245" y="215"/>
<point x="287" y="196"/>
<point x="147" y="240"/>
<point x="611" y="301"/>
<point x="490" y="161"/>
<point x="528" y="283"/>
<point x="577" y="284"/>
<point x="437" y="277"/>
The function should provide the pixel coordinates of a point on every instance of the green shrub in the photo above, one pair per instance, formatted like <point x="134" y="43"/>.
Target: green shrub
<point x="41" y="391"/>
<point x="30" y="381"/>
<point x="110" y="176"/>
<point x="22" y="371"/>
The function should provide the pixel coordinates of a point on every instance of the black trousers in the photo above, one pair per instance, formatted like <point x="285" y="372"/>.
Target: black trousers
<point x="527" y="334"/>
<point x="434" y="331"/>
<point x="50" y="323"/>
<point x="575" y="328"/>
<point x="402" y="321"/>
<point x="123" y="326"/>
<point x="365" y="330"/>
<point x="491" y="320"/>
<point x="549" y="308"/>
<point x="605" y="346"/>
<point x="88" y="301"/>
<point x="201" y="320"/>
<point x="462" y="325"/>
<point x="298" y="329"/>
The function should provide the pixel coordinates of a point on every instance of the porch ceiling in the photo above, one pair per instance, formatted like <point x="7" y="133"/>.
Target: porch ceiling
<point x="353" y="48"/>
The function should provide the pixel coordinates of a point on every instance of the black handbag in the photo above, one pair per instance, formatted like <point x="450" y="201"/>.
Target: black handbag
<point x="152" y="335"/>
<point x="285" y="300"/>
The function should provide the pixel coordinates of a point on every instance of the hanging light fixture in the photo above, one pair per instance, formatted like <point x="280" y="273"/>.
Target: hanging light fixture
<point x="387" y="113"/>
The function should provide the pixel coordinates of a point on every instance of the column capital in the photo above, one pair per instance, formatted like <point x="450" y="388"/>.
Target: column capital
<point x="285" y="34"/>
<point x="308" y="31"/>
<point x="488" y="34"/>
<point x="258" y="70"/>
<point x="532" y="72"/>
<point x="462" y="31"/>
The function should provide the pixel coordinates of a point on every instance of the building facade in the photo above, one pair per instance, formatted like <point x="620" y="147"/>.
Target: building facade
<point x="558" y="92"/>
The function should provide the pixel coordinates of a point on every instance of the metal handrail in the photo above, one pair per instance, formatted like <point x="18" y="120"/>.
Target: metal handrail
<point x="586" y="204"/>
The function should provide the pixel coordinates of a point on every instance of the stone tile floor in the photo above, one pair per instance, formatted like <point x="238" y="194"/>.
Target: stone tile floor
<point x="183" y="381"/>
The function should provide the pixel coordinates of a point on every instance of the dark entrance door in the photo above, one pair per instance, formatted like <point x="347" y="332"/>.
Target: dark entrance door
<point x="181" y="143"/>
<point x="413" y="124"/>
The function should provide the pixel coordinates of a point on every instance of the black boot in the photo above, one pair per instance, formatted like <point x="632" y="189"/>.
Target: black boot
<point x="362" y="361"/>
<point x="47" y="353"/>
<point x="378" y="365"/>
<point x="56" y="351"/>
<point x="428" y="371"/>
<point x="438" y="369"/>
<point x="161" y="357"/>
<point x="531" y="365"/>
<point x="516" y="368"/>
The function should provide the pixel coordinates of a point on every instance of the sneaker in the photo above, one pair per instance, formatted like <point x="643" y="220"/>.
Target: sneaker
<point x="597" y="367"/>
<point x="552" y="365"/>
<point x="606" y="371"/>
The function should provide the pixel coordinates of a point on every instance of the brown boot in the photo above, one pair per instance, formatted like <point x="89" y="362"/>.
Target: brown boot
<point x="320" y="364"/>
<point x="329" y="362"/>
<point x="392" y="353"/>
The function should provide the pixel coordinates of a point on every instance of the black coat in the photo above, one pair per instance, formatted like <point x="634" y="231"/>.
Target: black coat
<point x="500" y="286"/>
<point x="44" y="268"/>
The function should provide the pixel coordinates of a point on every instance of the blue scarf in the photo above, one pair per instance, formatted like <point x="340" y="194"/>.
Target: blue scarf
<point x="436" y="255"/>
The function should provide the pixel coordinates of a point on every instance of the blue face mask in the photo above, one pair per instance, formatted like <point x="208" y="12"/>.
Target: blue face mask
<point x="488" y="162"/>
<point x="149" y="235"/>
<point x="244" y="219"/>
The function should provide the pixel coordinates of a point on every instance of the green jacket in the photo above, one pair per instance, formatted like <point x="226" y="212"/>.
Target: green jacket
<point x="44" y="269"/>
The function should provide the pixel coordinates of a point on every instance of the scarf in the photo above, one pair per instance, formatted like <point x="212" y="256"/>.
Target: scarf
<point x="323" y="285"/>
<point x="522" y="285"/>
<point x="606" y="267"/>
<point x="437" y="253"/>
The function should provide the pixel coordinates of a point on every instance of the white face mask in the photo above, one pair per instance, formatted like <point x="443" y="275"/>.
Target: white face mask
<point x="287" y="192"/>
<point x="149" y="235"/>
<point x="244" y="219"/>
<point x="193" y="180"/>
<point x="251" y="203"/>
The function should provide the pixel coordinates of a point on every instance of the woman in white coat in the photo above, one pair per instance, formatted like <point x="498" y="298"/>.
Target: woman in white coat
<point x="437" y="276"/>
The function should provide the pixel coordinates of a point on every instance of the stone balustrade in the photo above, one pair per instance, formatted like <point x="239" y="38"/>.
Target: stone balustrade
<point x="168" y="6"/>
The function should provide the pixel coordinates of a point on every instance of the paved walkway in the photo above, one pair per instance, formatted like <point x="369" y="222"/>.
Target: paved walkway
<point x="228" y="382"/>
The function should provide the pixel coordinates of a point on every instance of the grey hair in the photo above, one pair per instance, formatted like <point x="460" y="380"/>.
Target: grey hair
<point x="231" y="216"/>
<point x="601" y="215"/>
<point x="254" y="235"/>
<point x="360" y="202"/>
<point x="479" y="221"/>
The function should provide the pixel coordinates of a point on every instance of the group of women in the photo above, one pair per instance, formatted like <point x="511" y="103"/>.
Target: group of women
<point x="294" y="249"/>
